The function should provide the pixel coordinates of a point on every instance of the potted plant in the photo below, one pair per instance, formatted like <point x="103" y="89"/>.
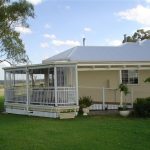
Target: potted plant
<point x="85" y="102"/>
<point x="67" y="114"/>
<point x="123" y="109"/>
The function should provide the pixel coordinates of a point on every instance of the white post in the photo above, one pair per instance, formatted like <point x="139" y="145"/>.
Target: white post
<point x="103" y="104"/>
<point x="132" y="97"/>
<point x="27" y="89"/>
<point x="121" y="98"/>
<point x="76" y="78"/>
<point x="121" y="93"/>
<point x="120" y="76"/>
<point x="5" y="86"/>
<point x="55" y="84"/>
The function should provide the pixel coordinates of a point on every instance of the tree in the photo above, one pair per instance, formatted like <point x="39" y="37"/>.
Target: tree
<point x="13" y="14"/>
<point x="138" y="35"/>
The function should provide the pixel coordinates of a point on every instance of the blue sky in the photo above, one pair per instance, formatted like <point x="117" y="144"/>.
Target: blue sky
<point x="61" y="24"/>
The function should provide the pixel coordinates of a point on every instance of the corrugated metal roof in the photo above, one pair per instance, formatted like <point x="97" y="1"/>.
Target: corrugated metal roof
<point x="126" y="52"/>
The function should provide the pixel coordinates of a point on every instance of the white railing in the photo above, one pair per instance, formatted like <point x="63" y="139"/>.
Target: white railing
<point x="44" y="96"/>
<point x="66" y="95"/>
<point x="13" y="95"/>
<point x="105" y="98"/>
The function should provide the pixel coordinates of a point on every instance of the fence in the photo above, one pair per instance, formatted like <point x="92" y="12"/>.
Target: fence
<point x="105" y="98"/>
<point x="42" y="96"/>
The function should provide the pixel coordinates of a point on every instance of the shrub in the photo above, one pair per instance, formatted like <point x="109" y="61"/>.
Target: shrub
<point x="123" y="88"/>
<point x="1" y="103"/>
<point x="85" y="101"/>
<point x="142" y="107"/>
<point x="124" y="107"/>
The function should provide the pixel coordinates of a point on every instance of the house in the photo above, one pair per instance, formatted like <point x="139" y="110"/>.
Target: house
<point x="56" y="84"/>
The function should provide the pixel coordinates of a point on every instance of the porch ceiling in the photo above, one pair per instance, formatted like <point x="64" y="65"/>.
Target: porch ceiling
<point x="114" y="66"/>
<point x="40" y="66"/>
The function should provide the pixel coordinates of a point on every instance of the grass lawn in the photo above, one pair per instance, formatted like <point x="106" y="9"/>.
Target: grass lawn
<point x="83" y="133"/>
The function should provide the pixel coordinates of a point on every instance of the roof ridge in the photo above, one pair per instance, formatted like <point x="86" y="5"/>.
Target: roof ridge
<point x="72" y="51"/>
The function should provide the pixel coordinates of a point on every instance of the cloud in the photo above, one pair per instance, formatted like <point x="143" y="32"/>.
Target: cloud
<point x="65" y="43"/>
<point x="47" y="26"/>
<point x="140" y="14"/>
<point x="44" y="45"/>
<point x="146" y="28"/>
<point x="23" y="30"/>
<point x="87" y="29"/>
<point x="111" y="42"/>
<point x="67" y="7"/>
<point x="50" y="36"/>
<point x="35" y="2"/>
<point x="147" y="1"/>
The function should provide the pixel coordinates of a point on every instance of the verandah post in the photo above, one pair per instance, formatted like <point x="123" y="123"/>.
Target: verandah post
<point x="77" y="95"/>
<point x="5" y="86"/>
<point x="55" y="85"/>
<point x="27" y="89"/>
<point x="103" y="104"/>
<point x="121" y="94"/>
<point x="132" y="97"/>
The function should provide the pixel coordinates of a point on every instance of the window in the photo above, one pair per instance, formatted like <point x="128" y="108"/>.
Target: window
<point x="129" y="76"/>
<point x="66" y="76"/>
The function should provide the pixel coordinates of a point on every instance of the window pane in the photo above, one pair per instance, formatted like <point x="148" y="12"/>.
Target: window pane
<point x="125" y="76"/>
<point x="130" y="76"/>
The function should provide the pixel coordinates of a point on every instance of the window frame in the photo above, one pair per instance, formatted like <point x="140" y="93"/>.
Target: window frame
<point x="129" y="77"/>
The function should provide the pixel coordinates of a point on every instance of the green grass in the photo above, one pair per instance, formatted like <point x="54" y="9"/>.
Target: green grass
<point x="1" y="103"/>
<point x="83" y="133"/>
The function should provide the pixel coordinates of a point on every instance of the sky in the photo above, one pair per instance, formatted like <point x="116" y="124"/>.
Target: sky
<point x="61" y="24"/>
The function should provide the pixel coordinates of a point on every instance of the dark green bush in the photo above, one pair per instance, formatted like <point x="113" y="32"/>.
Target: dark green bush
<point x="85" y="101"/>
<point x="142" y="107"/>
<point x="1" y="103"/>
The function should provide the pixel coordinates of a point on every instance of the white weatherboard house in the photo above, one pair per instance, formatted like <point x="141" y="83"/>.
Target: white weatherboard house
<point x="56" y="84"/>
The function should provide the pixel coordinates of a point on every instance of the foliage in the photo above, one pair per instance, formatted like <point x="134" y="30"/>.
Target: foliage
<point x="138" y="35"/>
<point x="85" y="101"/>
<point x="142" y="107"/>
<point x="124" y="107"/>
<point x="123" y="88"/>
<point x="1" y="103"/>
<point x="147" y="79"/>
<point x="67" y="110"/>
<point x="12" y="15"/>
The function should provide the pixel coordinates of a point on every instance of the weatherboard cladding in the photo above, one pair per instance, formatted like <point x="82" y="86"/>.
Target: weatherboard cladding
<point x="126" y="52"/>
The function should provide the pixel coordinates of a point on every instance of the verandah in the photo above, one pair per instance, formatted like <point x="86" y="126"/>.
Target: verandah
<point x="53" y="85"/>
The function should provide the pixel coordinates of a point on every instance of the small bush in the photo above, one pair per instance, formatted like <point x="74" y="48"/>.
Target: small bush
<point x="1" y="103"/>
<point x="142" y="107"/>
<point x="124" y="107"/>
<point x="85" y="101"/>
